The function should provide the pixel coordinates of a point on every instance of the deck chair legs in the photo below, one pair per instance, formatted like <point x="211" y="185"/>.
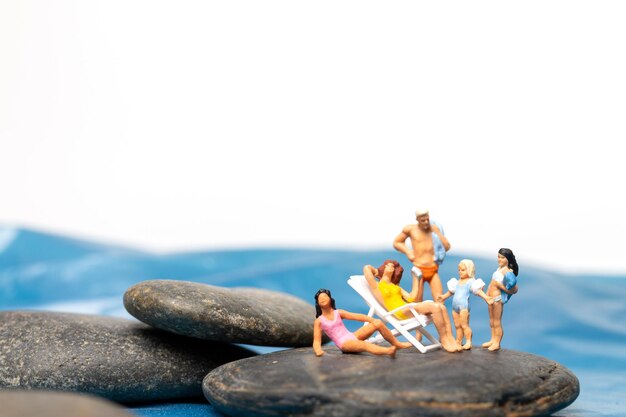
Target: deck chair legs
<point x="413" y="341"/>
<point x="419" y="346"/>
<point x="429" y="336"/>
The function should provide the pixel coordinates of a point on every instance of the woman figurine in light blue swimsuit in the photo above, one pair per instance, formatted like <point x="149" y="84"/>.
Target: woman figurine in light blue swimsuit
<point x="502" y="286"/>
<point x="461" y="289"/>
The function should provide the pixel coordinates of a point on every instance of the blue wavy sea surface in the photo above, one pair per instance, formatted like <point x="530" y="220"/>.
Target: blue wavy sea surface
<point x="576" y="320"/>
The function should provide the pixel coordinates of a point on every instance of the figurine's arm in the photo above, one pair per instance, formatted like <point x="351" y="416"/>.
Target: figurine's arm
<point x="370" y="273"/>
<point x="412" y="296"/>
<point x="503" y="288"/>
<point x="444" y="240"/>
<point x="317" y="338"/>
<point x="443" y="297"/>
<point x="354" y="316"/>
<point x="511" y="291"/>
<point x="399" y="244"/>
<point x="484" y="296"/>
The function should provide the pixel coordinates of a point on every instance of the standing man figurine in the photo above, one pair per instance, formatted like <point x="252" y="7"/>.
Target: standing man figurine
<point x="428" y="249"/>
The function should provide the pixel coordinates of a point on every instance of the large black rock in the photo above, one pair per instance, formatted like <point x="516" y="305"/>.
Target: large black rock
<point x="118" y="359"/>
<point x="18" y="403"/>
<point x="236" y="315"/>
<point x="471" y="383"/>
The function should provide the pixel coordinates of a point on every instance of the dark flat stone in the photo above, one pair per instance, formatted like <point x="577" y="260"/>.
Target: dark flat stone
<point x="236" y="315"/>
<point x="118" y="359"/>
<point x="471" y="383"/>
<point x="18" y="403"/>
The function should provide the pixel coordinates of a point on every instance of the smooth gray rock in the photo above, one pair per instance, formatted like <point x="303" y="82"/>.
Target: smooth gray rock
<point x="236" y="315"/>
<point x="467" y="384"/>
<point x="19" y="403"/>
<point x="118" y="359"/>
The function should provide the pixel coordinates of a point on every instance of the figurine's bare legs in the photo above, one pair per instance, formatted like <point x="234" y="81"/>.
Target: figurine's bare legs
<point x="439" y="314"/>
<point x="446" y="319"/>
<point x="457" y="326"/>
<point x="377" y="325"/>
<point x="466" y="329"/>
<point x="435" y="286"/>
<point x="436" y="289"/>
<point x="420" y="291"/>
<point x="497" y="325"/>
<point x="357" y="346"/>
<point x="493" y="335"/>
<point x="463" y="330"/>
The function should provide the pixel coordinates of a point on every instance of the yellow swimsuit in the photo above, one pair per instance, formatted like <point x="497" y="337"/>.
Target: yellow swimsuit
<point x="392" y="298"/>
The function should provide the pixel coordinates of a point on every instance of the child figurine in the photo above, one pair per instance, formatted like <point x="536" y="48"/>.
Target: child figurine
<point x="460" y="303"/>
<point x="502" y="286"/>
<point x="330" y="321"/>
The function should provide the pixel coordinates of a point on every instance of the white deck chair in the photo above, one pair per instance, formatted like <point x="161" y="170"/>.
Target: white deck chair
<point x="403" y="327"/>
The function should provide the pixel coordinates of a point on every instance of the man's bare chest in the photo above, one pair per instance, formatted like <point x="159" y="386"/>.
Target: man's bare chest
<point x="421" y="238"/>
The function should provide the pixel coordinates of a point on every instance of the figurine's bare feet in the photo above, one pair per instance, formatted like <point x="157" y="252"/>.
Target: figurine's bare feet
<point x="404" y="345"/>
<point x="487" y="344"/>
<point x="467" y="346"/>
<point x="494" y="347"/>
<point x="449" y="345"/>
<point x="459" y="346"/>
<point x="392" y="351"/>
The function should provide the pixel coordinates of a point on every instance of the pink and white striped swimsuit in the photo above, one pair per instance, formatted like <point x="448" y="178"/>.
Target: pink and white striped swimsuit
<point x="336" y="330"/>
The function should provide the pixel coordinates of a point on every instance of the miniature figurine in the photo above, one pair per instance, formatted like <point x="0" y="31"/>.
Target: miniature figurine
<point x="389" y="293"/>
<point x="460" y="302"/>
<point x="330" y="320"/>
<point x="427" y="252"/>
<point x="502" y="286"/>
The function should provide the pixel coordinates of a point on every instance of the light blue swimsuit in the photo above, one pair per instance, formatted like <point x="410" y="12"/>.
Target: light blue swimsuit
<point x="460" y="301"/>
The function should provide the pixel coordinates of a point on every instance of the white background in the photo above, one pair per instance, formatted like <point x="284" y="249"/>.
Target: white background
<point x="176" y="125"/>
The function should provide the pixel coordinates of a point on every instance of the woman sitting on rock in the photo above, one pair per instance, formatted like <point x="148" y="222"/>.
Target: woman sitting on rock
<point x="389" y="293"/>
<point x="330" y="320"/>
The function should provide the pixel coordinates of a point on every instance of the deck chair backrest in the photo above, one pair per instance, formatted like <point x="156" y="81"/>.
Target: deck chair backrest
<point x="360" y="285"/>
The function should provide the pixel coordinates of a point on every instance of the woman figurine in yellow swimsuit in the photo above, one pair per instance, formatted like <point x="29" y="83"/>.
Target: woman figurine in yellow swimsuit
<point x="389" y="293"/>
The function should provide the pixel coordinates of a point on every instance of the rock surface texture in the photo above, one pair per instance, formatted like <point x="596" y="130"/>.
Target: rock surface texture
<point x="472" y="383"/>
<point x="235" y="315"/>
<point x="114" y="358"/>
<point x="57" y="404"/>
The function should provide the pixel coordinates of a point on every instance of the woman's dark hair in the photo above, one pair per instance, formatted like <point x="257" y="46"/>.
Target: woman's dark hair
<point x="508" y="254"/>
<point x="318" y="309"/>
<point x="397" y="273"/>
